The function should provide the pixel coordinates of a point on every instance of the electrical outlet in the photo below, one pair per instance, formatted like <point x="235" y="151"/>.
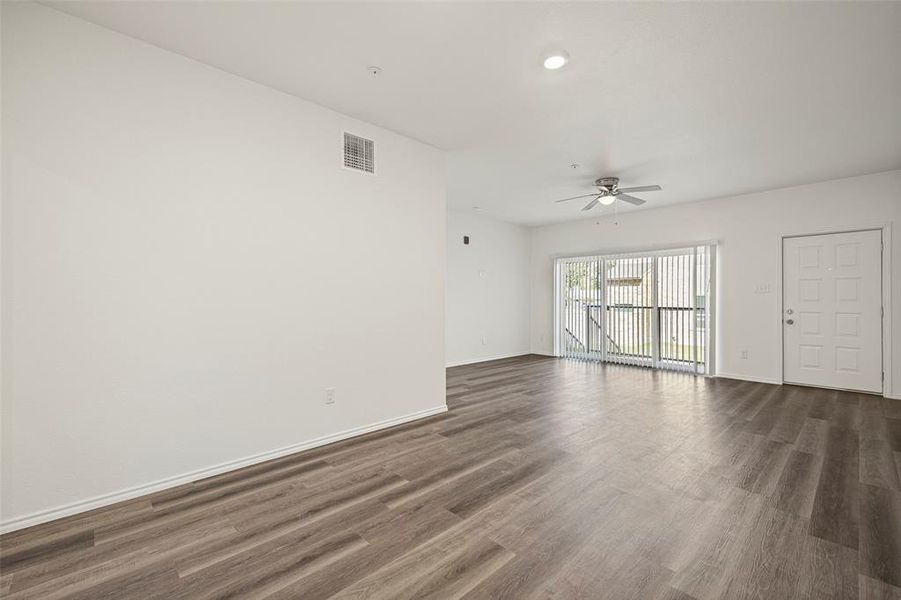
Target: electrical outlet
<point x="744" y="354"/>
<point x="484" y="341"/>
<point x="329" y="395"/>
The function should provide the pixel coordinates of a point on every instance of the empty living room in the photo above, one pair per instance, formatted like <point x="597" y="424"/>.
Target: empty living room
<point x="450" y="299"/>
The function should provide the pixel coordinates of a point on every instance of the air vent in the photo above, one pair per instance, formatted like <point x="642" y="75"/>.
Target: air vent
<point x="359" y="153"/>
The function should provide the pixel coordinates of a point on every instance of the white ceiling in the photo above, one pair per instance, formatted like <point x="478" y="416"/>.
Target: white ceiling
<point x="705" y="99"/>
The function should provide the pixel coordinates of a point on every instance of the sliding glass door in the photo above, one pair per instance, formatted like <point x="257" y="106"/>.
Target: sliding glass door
<point x="647" y="309"/>
<point x="630" y="320"/>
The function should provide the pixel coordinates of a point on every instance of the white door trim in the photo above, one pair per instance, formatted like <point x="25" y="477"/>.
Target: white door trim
<point x="886" y="229"/>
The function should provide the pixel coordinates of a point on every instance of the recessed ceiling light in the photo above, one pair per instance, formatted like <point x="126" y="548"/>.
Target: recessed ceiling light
<point x="555" y="60"/>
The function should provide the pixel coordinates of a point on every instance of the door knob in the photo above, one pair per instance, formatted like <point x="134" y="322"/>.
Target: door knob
<point x="789" y="321"/>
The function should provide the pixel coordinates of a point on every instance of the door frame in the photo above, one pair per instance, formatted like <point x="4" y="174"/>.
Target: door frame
<point x="886" y="251"/>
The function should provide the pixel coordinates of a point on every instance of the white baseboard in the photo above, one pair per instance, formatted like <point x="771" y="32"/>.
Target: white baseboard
<point x="99" y="501"/>
<point x="776" y="382"/>
<point x="747" y="378"/>
<point x="473" y="361"/>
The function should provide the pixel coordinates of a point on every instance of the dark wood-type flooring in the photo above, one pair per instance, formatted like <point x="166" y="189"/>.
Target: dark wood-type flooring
<point x="546" y="479"/>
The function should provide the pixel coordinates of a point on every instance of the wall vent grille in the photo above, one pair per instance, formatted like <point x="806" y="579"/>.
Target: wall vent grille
<point x="359" y="153"/>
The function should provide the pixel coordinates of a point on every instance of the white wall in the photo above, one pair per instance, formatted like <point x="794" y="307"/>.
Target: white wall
<point x="748" y="228"/>
<point x="187" y="267"/>
<point x="487" y="289"/>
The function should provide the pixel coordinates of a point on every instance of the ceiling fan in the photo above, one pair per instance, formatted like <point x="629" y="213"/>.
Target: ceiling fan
<point x="609" y="192"/>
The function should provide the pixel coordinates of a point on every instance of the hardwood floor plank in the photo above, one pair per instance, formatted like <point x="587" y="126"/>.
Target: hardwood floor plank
<point x="389" y="538"/>
<point x="891" y="408"/>
<point x="439" y="479"/>
<point x="847" y="411"/>
<point x="711" y="558"/>
<point x="266" y="569"/>
<point x="449" y="576"/>
<point x="813" y="436"/>
<point x="44" y="548"/>
<point x="823" y="405"/>
<point x="877" y="464"/>
<point x="893" y="431"/>
<point x="241" y="542"/>
<point x="157" y="582"/>
<point x="880" y="534"/>
<point x="128" y="551"/>
<point x="416" y="548"/>
<point x="828" y="570"/>
<point x="872" y="589"/>
<point x="310" y="505"/>
<point x="92" y="519"/>
<point x="209" y="494"/>
<point x="769" y="411"/>
<point x="617" y="557"/>
<point x="872" y="418"/>
<point x="775" y="534"/>
<point x="836" y="512"/>
<point x="792" y="417"/>
<point x="761" y="472"/>
<point x="797" y="485"/>
<point x="897" y="457"/>
<point x="471" y="501"/>
<point x="120" y="568"/>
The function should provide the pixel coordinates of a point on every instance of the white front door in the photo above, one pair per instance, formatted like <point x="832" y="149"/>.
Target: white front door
<point x="832" y="310"/>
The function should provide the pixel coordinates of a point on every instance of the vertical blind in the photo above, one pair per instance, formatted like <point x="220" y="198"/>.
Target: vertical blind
<point x="650" y="309"/>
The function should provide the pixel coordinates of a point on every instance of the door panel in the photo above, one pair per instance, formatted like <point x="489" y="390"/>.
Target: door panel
<point x="832" y="310"/>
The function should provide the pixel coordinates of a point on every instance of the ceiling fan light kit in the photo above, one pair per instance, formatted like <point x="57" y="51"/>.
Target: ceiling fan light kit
<point x="555" y="59"/>
<point x="609" y="192"/>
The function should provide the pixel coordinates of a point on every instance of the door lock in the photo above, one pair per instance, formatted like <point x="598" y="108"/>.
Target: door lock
<point x="789" y="312"/>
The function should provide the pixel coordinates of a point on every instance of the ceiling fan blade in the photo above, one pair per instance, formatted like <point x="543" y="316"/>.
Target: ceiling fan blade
<point x="630" y="199"/>
<point x="577" y="197"/>
<point x="591" y="204"/>
<point x="641" y="188"/>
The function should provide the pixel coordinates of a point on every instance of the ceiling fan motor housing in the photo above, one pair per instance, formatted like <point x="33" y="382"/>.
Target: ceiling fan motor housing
<point x="609" y="183"/>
